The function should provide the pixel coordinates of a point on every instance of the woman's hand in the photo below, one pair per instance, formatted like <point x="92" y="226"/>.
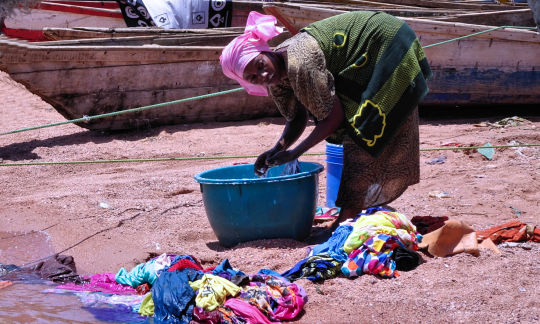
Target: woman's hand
<point x="282" y="157"/>
<point x="261" y="164"/>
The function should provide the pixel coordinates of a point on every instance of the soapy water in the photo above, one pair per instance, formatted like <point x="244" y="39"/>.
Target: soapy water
<point x="27" y="299"/>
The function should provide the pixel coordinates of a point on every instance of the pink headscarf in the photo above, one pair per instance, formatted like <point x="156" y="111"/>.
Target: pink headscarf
<point x="244" y="48"/>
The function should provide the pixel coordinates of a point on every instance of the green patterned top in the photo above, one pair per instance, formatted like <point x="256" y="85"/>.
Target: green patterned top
<point x="379" y="73"/>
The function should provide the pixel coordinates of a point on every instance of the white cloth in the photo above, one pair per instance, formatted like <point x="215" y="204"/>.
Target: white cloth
<point x="187" y="13"/>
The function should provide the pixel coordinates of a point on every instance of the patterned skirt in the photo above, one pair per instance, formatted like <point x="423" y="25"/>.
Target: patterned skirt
<point x="367" y="181"/>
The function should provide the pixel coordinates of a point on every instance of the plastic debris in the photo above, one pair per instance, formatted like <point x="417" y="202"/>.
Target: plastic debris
<point x="105" y="205"/>
<point x="518" y="150"/>
<point x="439" y="194"/>
<point x="487" y="151"/>
<point x="516" y="211"/>
<point x="438" y="160"/>
<point x="523" y="245"/>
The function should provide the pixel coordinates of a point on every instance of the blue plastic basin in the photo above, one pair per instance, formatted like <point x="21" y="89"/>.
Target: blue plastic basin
<point x="242" y="207"/>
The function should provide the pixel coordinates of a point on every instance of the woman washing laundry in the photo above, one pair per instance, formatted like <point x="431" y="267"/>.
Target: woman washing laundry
<point x="360" y="76"/>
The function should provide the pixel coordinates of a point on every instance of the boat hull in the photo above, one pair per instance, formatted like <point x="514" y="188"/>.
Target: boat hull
<point x="498" y="67"/>
<point x="86" y="80"/>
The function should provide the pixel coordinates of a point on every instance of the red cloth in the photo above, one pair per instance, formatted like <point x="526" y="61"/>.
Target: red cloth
<point x="143" y="289"/>
<point x="183" y="264"/>
<point x="514" y="231"/>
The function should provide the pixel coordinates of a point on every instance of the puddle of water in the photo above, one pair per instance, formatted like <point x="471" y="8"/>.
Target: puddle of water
<point x="25" y="302"/>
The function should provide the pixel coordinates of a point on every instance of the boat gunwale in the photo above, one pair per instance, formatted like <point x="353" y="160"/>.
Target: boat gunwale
<point x="427" y="24"/>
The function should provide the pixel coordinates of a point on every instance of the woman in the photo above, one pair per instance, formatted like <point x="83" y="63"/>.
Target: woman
<point x="360" y="75"/>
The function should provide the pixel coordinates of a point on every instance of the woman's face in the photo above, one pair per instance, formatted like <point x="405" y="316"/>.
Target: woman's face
<point x="265" y="69"/>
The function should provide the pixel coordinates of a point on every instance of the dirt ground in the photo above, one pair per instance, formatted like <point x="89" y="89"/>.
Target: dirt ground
<point x="156" y="207"/>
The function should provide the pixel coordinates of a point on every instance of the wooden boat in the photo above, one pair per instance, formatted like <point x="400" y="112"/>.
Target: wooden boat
<point x="498" y="67"/>
<point x="495" y="14"/>
<point x="28" y="24"/>
<point x="96" y="76"/>
<point x="452" y="4"/>
<point x="518" y="17"/>
<point x="54" y="33"/>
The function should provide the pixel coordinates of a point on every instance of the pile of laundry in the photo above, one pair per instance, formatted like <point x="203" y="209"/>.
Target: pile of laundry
<point x="174" y="288"/>
<point x="177" y="289"/>
<point x="378" y="242"/>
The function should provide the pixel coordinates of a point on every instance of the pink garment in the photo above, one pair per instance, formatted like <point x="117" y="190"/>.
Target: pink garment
<point x="244" y="48"/>
<point x="101" y="282"/>
<point x="250" y="313"/>
<point x="291" y="305"/>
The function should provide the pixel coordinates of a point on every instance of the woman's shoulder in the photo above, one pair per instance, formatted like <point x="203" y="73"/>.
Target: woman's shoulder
<point x="297" y="41"/>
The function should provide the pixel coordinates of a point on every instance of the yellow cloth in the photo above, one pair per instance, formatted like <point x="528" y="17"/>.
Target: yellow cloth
<point x="213" y="291"/>
<point x="147" y="306"/>
<point x="381" y="222"/>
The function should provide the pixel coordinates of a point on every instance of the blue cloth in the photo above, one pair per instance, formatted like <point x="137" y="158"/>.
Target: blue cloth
<point x="291" y="167"/>
<point x="225" y="270"/>
<point x="173" y="297"/>
<point x="334" y="245"/>
<point x="271" y="273"/>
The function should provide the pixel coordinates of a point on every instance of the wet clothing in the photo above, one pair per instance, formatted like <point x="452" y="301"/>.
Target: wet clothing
<point x="58" y="268"/>
<point x="213" y="291"/>
<point x="375" y="65"/>
<point x="173" y="297"/>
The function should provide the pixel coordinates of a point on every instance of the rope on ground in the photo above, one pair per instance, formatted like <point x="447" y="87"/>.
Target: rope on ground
<point x="191" y="158"/>
<point x="88" y="118"/>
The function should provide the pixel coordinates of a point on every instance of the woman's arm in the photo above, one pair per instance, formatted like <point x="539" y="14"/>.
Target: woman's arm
<point x="322" y="130"/>
<point x="292" y="131"/>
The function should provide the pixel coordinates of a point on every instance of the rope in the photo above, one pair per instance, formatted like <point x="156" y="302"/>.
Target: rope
<point x="88" y="118"/>
<point x="474" y="34"/>
<point x="191" y="158"/>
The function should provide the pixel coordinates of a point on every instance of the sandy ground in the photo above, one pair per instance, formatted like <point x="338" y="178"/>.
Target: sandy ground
<point x="157" y="207"/>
